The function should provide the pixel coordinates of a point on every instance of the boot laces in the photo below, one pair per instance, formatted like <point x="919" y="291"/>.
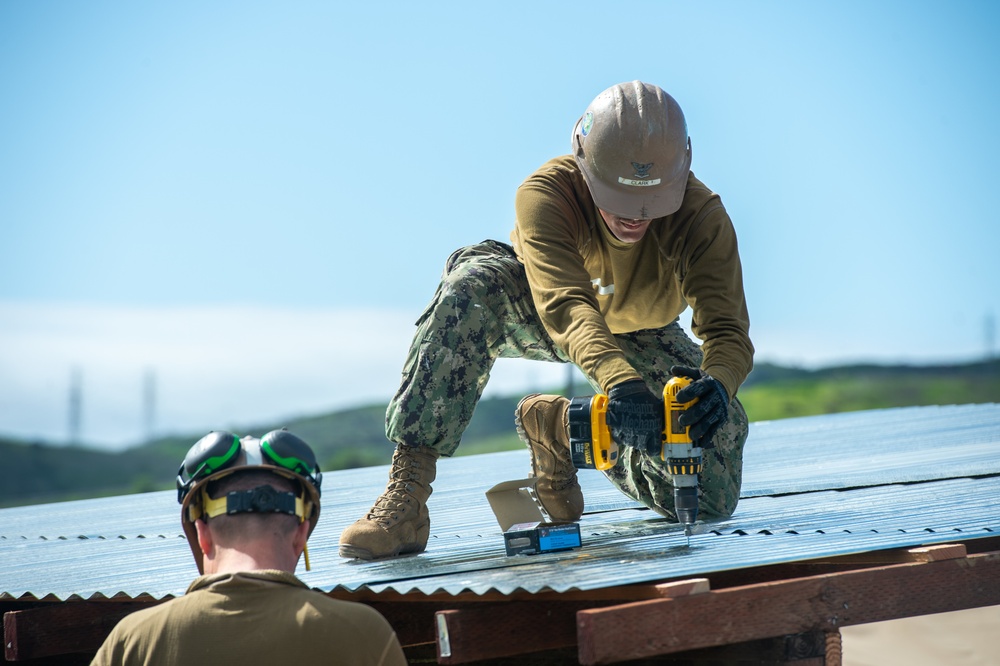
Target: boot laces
<point x="564" y="474"/>
<point x="397" y="498"/>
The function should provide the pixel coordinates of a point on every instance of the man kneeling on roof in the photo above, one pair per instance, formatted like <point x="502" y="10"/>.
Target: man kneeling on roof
<point x="611" y="243"/>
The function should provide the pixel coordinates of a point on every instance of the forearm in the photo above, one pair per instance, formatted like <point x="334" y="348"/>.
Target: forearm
<point x="713" y="286"/>
<point x="729" y="360"/>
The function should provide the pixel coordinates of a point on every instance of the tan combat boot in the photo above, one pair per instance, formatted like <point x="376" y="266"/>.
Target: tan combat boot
<point x="398" y="523"/>
<point x="542" y="424"/>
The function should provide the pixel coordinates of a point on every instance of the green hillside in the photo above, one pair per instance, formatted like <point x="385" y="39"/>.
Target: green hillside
<point x="36" y="473"/>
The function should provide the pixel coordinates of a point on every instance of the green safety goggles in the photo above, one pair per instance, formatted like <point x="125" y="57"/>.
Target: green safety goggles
<point x="219" y="450"/>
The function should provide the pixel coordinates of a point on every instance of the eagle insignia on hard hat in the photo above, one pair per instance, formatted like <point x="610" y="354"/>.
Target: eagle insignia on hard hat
<point x="642" y="170"/>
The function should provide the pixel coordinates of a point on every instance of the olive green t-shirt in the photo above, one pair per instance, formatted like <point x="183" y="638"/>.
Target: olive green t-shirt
<point x="587" y="285"/>
<point x="252" y="617"/>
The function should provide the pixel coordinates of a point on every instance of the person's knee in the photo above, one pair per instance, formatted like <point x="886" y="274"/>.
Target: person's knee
<point x="472" y="283"/>
<point x="718" y="505"/>
<point x="722" y="479"/>
<point x="713" y="504"/>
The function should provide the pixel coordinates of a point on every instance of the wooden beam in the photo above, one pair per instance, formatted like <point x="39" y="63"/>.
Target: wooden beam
<point x="944" y="551"/>
<point x="683" y="588"/>
<point x="490" y="631"/>
<point x="63" y="628"/>
<point x="826" y="602"/>
<point x="412" y="621"/>
<point x="810" y="649"/>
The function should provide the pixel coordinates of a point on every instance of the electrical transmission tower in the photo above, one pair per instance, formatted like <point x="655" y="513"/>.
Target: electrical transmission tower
<point x="75" y="405"/>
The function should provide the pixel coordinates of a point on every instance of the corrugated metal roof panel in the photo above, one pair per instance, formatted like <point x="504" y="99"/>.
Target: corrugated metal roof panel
<point x="792" y="510"/>
<point x="628" y="546"/>
<point x="872" y="448"/>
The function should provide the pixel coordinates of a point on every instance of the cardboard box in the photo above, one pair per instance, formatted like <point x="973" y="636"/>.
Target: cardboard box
<point x="525" y="530"/>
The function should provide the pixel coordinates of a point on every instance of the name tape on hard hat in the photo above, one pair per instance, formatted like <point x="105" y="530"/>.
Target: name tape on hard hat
<point x="638" y="183"/>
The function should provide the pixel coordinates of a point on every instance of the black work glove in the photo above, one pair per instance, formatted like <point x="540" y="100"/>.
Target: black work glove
<point x="635" y="416"/>
<point x="712" y="409"/>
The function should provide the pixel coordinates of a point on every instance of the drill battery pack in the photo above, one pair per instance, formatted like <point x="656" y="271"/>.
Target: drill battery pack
<point x="590" y="443"/>
<point x="535" y="538"/>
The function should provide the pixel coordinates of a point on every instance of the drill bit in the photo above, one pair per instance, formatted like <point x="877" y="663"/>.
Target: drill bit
<point x="687" y="533"/>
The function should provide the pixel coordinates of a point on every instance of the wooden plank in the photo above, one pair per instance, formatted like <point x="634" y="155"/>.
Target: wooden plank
<point x="63" y="628"/>
<point x="490" y="631"/>
<point x="412" y="621"/>
<point x="808" y="649"/>
<point x="826" y="602"/>
<point x="477" y="631"/>
<point x="474" y="632"/>
<point x="833" y="651"/>
<point x="415" y="622"/>
<point x="683" y="588"/>
<point x="799" y="650"/>
<point x="944" y="551"/>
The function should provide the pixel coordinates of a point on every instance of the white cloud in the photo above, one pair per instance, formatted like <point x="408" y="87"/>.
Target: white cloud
<point x="223" y="366"/>
<point x="213" y="367"/>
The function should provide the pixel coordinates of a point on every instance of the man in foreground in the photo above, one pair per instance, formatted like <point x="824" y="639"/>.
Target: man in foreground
<point x="248" y="508"/>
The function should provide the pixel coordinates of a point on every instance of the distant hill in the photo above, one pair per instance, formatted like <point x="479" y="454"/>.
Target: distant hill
<point x="776" y="392"/>
<point x="35" y="473"/>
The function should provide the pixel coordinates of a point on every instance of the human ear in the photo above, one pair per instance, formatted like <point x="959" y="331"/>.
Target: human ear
<point x="300" y="537"/>
<point x="205" y="540"/>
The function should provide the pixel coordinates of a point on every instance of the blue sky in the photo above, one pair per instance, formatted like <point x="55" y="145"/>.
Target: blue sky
<point x="253" y="201"/>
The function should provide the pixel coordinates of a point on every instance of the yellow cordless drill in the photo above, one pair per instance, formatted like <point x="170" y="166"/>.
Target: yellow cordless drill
<point x="592" y="446"/>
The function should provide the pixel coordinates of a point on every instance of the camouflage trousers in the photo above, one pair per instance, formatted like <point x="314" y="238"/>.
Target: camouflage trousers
<point x="483" y="311"/>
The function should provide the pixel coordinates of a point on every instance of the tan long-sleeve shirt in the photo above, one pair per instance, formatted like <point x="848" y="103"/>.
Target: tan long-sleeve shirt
<point x="587" y="285"/>
<point x="252" y="617"/>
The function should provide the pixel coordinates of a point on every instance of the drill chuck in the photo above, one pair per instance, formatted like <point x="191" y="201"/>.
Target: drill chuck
<point x="686" y="503"/>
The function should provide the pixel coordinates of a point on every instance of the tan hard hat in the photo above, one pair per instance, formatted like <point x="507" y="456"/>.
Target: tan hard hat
<point x="633" y="148"/>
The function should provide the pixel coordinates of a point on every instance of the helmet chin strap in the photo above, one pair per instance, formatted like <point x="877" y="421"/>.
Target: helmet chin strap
<point x="262" y="499"/>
